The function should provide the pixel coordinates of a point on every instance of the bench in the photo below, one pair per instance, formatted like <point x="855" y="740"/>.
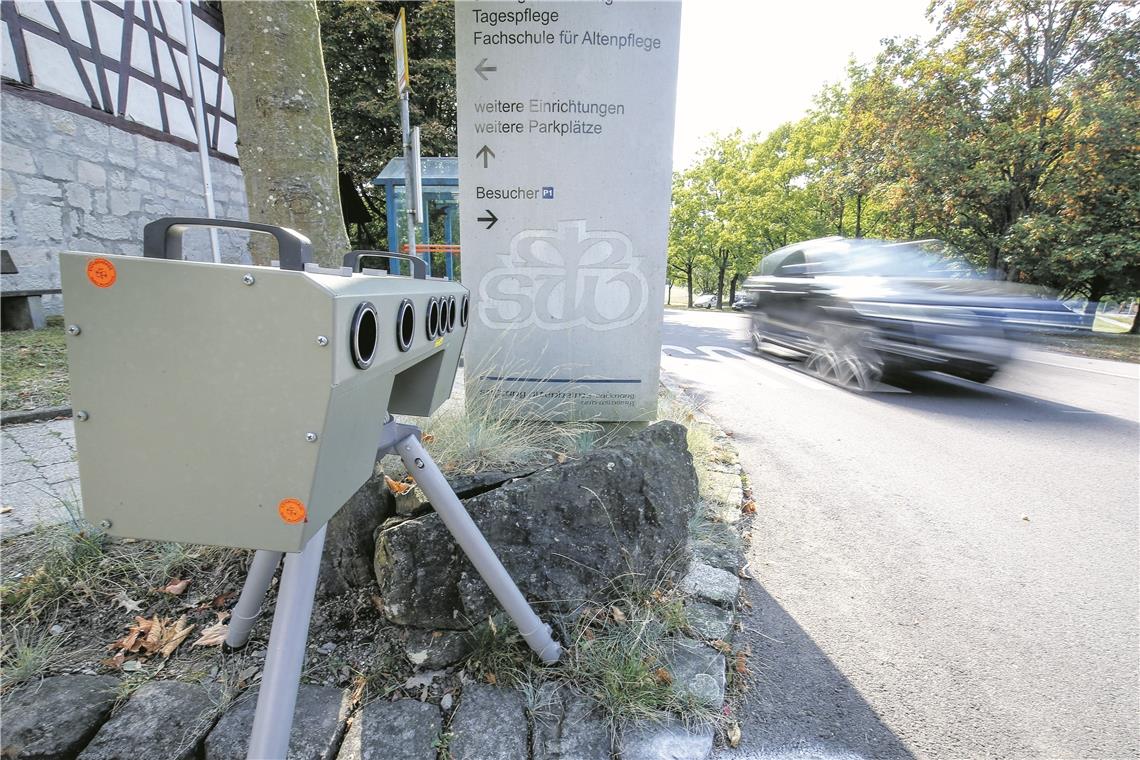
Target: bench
<point x="21" y="309"/>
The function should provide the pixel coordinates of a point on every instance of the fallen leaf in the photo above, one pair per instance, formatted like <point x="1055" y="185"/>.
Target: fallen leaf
<point x="128" y="604"/>
<point x="175" y="587"/>
<point x="221" y="600"/>
<point x="1025" y="517"/>
<point x="742" y="663"/>
<point x="491" y="679"/>
<point x="734" y="734"/>
<point x="748" y="507"/>
<point x="743" y="573"/>
<point x="175" y="635"/>
<point x="427" y="438"/>
<point x="396" y="486"/>
<point x="5" y="510"/>
<point x="562" y="458"/>
<point x="663" y="676"/>
<point x="214" y="635"/>
<point x="619" y="616"/>
<point x="721" y="646"/>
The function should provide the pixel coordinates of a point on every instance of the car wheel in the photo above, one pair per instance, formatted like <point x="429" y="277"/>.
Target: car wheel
<point x="842" y="357"/>
<point x="757" y="330"/>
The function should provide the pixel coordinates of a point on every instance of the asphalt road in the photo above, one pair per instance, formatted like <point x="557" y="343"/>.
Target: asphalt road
<point x="946" y="572"/>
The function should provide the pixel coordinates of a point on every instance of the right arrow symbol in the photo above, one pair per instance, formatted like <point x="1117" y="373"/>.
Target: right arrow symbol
<point x="489" y="218"/>
<point x="481" y="67"/>
<point x="485" y="153"/>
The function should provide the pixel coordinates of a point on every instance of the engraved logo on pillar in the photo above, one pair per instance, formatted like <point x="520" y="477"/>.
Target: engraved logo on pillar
<point x="569" y="277"/>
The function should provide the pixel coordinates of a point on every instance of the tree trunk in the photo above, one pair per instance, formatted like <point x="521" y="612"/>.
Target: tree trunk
<point x="1135" y="329"/>
<point x="732" y="288"/>
<point x="721" y="267"/>
<point x="859" y="215"/>
<point x="689" y="283"/>
<point x="285" y="143"/>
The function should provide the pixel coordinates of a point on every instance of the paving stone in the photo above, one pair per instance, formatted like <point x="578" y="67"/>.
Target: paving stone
<point x="709" y="621"/>
<point x="402" y="730"/>
<point x="55" y="717"/>
<point x="33" y="502"/>
<point x="436" y="649"/>
<point x="318" y="724"/>
<point x="164" y="719"/>
<point x="489" y="724"/>
<point x="57" y="454"/>
<point x="698" y="672"/>
<point x="60" y="473"/>
<point x="711" y="584"/>
<point x="669" y="740"/>
<point x="566" y="726"/>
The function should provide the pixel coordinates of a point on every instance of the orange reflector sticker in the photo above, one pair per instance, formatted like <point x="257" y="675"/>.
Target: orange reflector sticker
<point x="292" y="511"/>
<point x="101" y="273"/>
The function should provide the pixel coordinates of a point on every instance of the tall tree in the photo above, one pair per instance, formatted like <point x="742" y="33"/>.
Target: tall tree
<point x="286" y="146"/>
<point x="357" y="39"/>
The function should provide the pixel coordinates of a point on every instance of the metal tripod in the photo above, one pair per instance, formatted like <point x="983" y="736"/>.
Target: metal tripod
<point x="277" y="698"/>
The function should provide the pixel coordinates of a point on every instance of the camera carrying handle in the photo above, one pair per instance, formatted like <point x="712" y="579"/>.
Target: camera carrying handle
<point x="419" y="266"/>
<point x="162" y="239"/>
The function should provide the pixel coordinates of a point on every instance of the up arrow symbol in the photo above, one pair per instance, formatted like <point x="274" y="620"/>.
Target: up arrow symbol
<point x="482" y="66"/>
<point x="485" y="153"/>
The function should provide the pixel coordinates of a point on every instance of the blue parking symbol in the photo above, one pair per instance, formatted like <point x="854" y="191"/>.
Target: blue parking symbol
<point x="548" y="193"/>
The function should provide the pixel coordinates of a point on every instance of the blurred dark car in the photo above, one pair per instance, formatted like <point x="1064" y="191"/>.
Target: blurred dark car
<point x="863" y="310"/>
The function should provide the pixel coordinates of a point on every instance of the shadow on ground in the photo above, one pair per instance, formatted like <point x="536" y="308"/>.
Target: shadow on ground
<point x="800" y="704"/>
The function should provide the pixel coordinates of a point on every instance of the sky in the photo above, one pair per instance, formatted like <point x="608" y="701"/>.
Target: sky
<point x="754" y="64"/>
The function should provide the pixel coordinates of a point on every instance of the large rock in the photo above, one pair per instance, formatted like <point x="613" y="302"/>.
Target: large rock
<point x="162" y="719"/>
<point x="55" y="717"/>
<point x="401" y="730"/>
<point x="318" y="724"/>
<point x="698" y="672"/>
<point x="349" y="542"/>
<point x="489" y="724"/>
<point x="563" y="533"/>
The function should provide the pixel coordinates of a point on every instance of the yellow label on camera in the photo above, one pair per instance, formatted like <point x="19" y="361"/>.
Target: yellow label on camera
<point x="438" y="342"/>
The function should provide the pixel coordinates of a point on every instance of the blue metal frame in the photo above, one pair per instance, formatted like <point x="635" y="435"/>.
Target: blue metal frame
<point x="390" y="184"/>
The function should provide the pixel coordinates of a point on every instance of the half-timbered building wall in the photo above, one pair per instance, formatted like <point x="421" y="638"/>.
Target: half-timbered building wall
<point x="97" y="129"/>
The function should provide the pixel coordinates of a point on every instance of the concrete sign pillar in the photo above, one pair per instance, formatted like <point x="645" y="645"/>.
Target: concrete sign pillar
<point x="565" y="123"/>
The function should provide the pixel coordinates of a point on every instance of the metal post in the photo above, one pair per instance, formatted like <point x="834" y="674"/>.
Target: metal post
<point x="278" y="694"/>
<point x="475" y="546"/>
<point x="406" y="130"/>
<point x="257" y="582"/>
<point x="200" y="121"/>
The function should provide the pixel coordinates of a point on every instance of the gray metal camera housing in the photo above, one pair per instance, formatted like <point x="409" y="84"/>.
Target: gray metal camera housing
<point x="241" y="405"/>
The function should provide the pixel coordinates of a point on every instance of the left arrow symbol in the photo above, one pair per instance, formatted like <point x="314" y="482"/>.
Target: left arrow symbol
<point x="491" y="218"/>
<point x="485" y="153"/>
<point x="482" y="66"/>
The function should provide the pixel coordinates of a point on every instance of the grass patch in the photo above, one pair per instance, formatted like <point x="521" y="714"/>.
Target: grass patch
<point x="500" y="434"/>
<point x="33" y="368"/>
<point x="616" y="655"/>
<point x="1120" y="347"/>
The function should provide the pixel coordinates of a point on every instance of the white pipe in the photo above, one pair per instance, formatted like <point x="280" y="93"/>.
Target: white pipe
<point x="200" y="119"/>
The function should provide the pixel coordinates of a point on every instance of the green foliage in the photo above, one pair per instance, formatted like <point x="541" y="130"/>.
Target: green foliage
<point x="1011" y="134"/>
<point x="357" y="39"/>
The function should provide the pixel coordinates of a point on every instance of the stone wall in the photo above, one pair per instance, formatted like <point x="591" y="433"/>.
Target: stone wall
<point x="71" y="182"/>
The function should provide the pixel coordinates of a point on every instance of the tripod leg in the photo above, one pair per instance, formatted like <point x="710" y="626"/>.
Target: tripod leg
<point x="252" y="595"/>
<point x="278" y="694"/>
<point x="475" y="546"/>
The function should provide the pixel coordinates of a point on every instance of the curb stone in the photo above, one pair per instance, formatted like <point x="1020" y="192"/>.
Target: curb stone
<point x="318" y="724"/>
<point x="20" y="416"/>
<point x="489" y="724"/>
<point x="666" y="741"/>
<point x="56" y="717"/>
<point x="165" y="719"/>
<point x="403" y="730"/>
<point x="564" y="727"/>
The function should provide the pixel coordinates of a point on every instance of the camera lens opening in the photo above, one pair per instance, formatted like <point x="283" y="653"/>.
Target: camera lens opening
<point x="433" y="319"/>
<point x="405" y="325"/>
<point x="451" y="310"/>
<point x="463" y="313"/>
<point x="364" y="335"/>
